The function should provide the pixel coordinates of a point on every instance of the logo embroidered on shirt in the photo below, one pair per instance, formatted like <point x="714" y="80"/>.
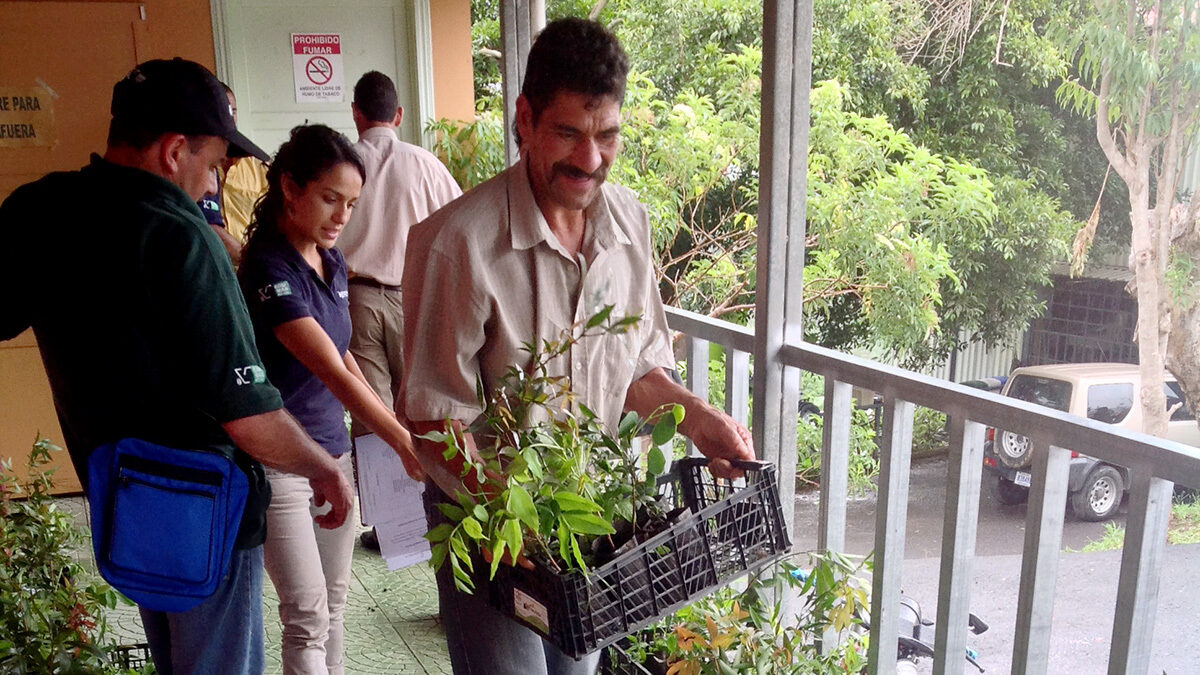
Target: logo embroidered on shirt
<point x="343" y="294"/>
<point x="278" y="289"/>
<point x="250" y="375"/>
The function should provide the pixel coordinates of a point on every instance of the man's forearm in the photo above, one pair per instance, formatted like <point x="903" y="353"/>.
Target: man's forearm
<point x="656" y="389"/>
<point x="277" y="440"/>
<point x="715" y="434"/>
<point x="446" y="473"/>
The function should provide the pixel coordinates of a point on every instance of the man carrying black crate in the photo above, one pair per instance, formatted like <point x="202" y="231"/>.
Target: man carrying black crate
<point x="522" y="257"/>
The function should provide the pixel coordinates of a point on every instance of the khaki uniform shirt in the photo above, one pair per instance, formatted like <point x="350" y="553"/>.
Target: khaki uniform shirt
<point x="405" y="183"/>
<point x="485" y="275"/>
<point x="245" y="182"/>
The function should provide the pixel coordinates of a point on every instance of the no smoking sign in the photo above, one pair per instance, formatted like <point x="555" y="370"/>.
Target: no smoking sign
<point x="317" y="67"/>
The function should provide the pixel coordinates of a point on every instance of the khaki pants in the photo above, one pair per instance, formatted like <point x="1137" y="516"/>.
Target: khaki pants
<point x="310" y="568"/>
<point x="377" y="342"/>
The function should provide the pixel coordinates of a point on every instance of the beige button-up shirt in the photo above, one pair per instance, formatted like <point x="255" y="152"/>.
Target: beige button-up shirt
<point x="485" y="275"/>
<point x="405" y="183"/>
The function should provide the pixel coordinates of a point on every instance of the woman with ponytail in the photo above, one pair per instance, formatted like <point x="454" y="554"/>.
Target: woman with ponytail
<point x="294" y="281"/>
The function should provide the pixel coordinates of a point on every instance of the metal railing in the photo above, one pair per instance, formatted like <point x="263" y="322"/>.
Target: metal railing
<point x="1153" y="463"/>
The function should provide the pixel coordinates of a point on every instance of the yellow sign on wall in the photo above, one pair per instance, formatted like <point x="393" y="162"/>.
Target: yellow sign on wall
<point x="26" y="117"/>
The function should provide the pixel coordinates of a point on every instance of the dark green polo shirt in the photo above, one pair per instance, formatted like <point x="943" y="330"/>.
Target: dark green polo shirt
<point x="138" y="315"/>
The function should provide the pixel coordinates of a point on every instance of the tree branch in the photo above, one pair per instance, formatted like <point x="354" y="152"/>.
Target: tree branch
<point x="1104" y="132"/>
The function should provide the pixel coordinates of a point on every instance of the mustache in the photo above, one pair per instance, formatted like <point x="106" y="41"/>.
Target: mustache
<point x="570" y="171"/>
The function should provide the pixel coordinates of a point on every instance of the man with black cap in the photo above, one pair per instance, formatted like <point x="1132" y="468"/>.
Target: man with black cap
<point x="144" y="333"/>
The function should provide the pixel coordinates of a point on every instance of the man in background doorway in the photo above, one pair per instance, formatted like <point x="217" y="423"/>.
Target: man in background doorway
<point x="405" y="183"/>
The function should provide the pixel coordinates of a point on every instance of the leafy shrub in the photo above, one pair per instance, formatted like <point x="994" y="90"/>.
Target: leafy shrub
<point x="929" y="430"/>
<point x="863" y="462"/>
<point x="751" y="631"/>
<point x="50" y="611"/>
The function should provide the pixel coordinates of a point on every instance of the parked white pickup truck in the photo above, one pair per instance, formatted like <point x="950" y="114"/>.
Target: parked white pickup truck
<point x="1108" y="392"/>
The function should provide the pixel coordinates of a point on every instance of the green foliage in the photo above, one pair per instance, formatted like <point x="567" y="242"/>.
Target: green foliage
<point x="942" y="217"/>
<point x="1185" y="522"/>
<point x="929" y="430"/>
<point x="747" y="631"/>
<point x="863" y="463"/>
<point x="883" y="213"/>
<point x="856" y="44"/>
<point x="51" y="613"/>
<point x="474" y="151"/>
<point x="552" y="480"/>
<point x="1183" y="528"/>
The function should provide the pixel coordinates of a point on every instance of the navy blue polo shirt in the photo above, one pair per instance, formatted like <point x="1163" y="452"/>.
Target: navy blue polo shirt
<point x="279" y="287"/>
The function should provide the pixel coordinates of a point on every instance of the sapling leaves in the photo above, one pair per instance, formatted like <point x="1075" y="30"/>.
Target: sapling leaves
<point x="472" y="527"/>
<point x="664" y="430"/>
<point x="570" y="502"/>
<point x="552" y="478"/>
<point x="452" y="512"/>
<point x="510" y="534"/>
<point x="441" y="532"/>
<point x="520" y="503"/>
<point x="656" y="462"/>
<point x="587" y="523"/>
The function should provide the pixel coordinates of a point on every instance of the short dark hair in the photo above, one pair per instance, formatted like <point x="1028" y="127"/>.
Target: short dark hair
<point x="576" y="55"/>
<point x="139" y="136"/>
<point x="309" y="152"/>
<point x="132" y="134"/>
<point x="375" y="97"/>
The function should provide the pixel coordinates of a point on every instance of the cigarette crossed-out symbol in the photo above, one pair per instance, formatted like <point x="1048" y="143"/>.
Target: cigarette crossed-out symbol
<point x="319" y="70"/>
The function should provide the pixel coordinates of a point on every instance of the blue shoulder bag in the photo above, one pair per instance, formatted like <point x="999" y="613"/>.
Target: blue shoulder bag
<point x="164" y="521"/>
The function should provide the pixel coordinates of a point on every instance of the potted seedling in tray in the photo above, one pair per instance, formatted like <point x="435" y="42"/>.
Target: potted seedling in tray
<point x="615" y="540"/>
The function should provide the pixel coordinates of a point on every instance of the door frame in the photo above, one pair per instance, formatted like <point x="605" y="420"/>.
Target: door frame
<point x="419" y="58"/>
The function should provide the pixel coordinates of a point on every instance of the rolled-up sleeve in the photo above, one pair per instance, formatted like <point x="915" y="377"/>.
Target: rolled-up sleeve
<point x="444" y="331"/>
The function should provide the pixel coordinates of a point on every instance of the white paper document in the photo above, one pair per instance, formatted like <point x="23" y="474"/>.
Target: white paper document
<point x="391" y="502"/>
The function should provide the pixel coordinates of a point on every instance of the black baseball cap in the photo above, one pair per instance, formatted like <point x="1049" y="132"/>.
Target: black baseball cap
<point x="180" y="96"/>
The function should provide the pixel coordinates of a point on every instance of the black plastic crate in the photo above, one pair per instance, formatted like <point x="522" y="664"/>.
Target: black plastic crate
<point x="132" y="657"/>
<point x="733" y="527"/>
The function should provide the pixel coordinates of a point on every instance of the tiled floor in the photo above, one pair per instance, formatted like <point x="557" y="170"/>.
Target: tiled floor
<point x="391" y="617"/>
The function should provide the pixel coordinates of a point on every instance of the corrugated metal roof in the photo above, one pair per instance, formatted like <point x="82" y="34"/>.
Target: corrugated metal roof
<point x="1102" y="272"/>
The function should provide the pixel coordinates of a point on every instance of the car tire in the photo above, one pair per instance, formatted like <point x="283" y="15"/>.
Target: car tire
<point x="1009" y="493"/>
<point x="1014" y="450"/>
<point x="1100" y="496"/>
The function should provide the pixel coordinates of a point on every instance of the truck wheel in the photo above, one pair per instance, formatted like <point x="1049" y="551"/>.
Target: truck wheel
<point x="1014" y="450"/>
<point x="1100" y="496"/>
<point x="1010" y="493"/>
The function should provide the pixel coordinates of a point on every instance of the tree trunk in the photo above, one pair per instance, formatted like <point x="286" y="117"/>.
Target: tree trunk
<point x="1183" y="354"/>
<point x="1151" y="327"/>
<point x="1183" y="349"/>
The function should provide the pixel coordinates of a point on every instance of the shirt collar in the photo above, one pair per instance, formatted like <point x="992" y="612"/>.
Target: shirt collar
<point x="275" y="242"/>
<point x="378" y="133"/>
<point x="528" y="227"/>
<point x="130" y="177"/>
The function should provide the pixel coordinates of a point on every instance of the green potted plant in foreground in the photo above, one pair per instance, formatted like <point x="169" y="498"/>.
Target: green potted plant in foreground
<point x="51" y="610"/>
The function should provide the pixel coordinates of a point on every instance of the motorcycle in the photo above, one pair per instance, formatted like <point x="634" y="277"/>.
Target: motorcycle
<point x="911" y="648"/>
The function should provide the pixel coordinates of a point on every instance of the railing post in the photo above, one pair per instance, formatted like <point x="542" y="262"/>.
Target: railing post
<point x="697" y="373"/>
<point x="1039" y="564"/>
<point x="516" y="37"/>
<point x="835" y="459"/>
<point x="895" y="460"/>
<point x="963" y="480"/>
<point x="1141" y="563"/>
<point x="737" y="384"/>
<point x="783" y="165"/>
